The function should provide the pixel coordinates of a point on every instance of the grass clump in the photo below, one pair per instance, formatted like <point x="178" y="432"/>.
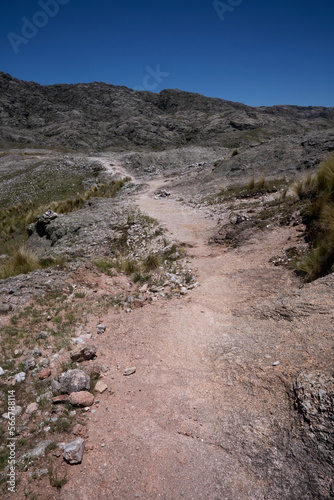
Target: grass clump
<point x="317" y="192"/>
<point x="152" y="261"/>
<point x="55" y="480"/>
<point x="24" y="261"/>
<point x="252" y="188"/>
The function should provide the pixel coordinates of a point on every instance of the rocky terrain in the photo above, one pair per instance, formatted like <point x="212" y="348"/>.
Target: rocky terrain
<point x="166" y="348"/>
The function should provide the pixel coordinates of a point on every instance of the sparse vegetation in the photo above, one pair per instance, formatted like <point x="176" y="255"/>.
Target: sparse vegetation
<point x="55" y="480"/>
<point x="14" y="219"/>
<point x="252" y="188"/>
<point x="24" y="261"/>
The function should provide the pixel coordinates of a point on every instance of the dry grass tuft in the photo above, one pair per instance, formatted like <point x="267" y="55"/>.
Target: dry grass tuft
<point x="317" y="191"/>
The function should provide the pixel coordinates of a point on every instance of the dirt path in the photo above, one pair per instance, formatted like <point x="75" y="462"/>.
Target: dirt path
<point x="201" y="417"/>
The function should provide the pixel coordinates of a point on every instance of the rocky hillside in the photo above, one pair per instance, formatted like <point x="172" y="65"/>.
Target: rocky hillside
<point x="99" y="116"/>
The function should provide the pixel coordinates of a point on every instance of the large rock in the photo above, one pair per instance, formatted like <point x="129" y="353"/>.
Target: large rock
<point x="82" y="398"/>
<point x="74" y="381"/>
<point x="73" y="451"/>
<point x="83" y="353"/>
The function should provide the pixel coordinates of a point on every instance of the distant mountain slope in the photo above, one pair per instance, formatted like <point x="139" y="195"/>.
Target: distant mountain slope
<point x="100" y="116"/>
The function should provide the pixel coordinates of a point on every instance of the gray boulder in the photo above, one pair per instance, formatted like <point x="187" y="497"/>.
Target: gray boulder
<point x="74" y="381"/>
<point x="73" y="451"/>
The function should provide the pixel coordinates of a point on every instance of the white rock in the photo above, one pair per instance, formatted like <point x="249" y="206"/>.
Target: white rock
<point x="20" y="377"/>
<point x="2" y="372"/>
<point x="101" y="328"/>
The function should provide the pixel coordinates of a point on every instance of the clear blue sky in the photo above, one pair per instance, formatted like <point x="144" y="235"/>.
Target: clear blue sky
<point x="259" y="52"/>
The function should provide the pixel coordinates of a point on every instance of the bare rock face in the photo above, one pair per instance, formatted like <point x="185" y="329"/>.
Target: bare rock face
<point x="314" y="393"/>
<point x="74" y="381"/>
<point x="54" y="115"/>
<point x="84" y="353"/>
<point x="73" y="451"/>
<point x="82" y="398"/>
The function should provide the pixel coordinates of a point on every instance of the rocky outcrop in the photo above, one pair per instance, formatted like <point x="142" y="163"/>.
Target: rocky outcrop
<point x="93" y="115"/>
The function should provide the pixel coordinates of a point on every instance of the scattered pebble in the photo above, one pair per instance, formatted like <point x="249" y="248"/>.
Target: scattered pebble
<point x="130" y="371"/>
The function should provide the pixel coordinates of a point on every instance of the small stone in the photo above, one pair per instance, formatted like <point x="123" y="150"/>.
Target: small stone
<point x="101" y="328"/>
<point x="137" y="303"/>
<point x="83" y="354"/>
<point x="46" y="396"/>
<point x="73" y="451"/>
<point x="80" y="430"/>
<point x="62" y="398"/>
<point x="276" y="363"/>
<point x="36" y="352"/>
<point x="20" y="377"/>
<point x="82" y="398"/>
<point x="43" y="363"/>
<point x="78" y="341"/>
<point x="5" y="308"/>
<point x="31" y="408"/>
<point x="100" y="386"/>
<point x="29" y="363"/>
<point x="183" y="290"/>
<point x="44" y="374"/>
<point x="129" y="371"/>
<point x="2" y="372"/>
<point x="43" y="335"/>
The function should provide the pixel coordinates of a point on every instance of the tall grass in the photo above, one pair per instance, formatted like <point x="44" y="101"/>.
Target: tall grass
<point x="24" y="261"/>
<point x="317" y="191"/>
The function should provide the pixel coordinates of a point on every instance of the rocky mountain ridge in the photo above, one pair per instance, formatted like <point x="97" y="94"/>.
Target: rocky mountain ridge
<point x="100" y="116"/>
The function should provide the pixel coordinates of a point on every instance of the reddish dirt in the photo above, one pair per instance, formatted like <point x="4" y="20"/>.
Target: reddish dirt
<point x="205" y="413"/>
<point x="209" y="413"/>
